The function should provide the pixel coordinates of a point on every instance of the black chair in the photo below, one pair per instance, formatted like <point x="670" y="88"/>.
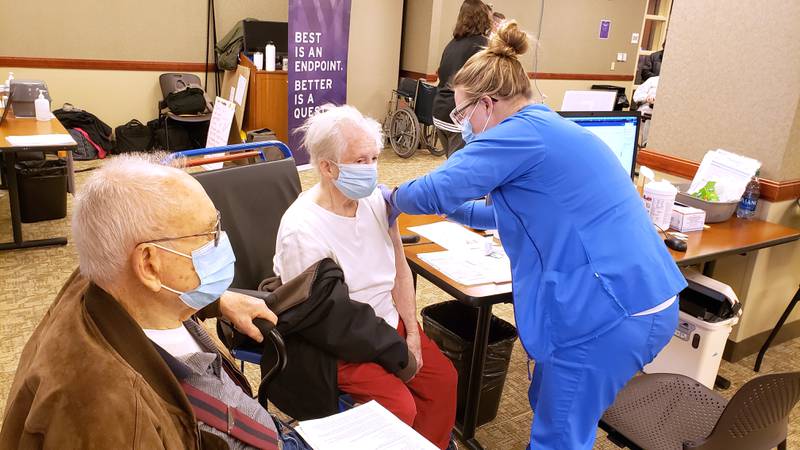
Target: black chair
<point x="172" y="82"/>
<point x="674" y="412"/>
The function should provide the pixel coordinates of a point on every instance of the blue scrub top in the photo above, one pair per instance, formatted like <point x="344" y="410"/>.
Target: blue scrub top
<point x="584" y="253"/>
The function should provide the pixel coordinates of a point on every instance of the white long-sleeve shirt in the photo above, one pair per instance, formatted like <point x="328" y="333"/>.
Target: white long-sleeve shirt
<point x="646" y="89"/>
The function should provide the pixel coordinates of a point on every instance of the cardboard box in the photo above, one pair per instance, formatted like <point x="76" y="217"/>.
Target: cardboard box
<point x="686" y="218"/>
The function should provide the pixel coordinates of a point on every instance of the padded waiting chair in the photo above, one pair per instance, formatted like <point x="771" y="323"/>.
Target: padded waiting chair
<point x="172" y="82"/>
<point x="674" y="412"/>
<point x="251" y="200"/>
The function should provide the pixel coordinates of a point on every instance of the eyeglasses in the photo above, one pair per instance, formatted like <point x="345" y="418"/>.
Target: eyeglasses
<point x="459" y="114"/>
<point x="217" y="233"/>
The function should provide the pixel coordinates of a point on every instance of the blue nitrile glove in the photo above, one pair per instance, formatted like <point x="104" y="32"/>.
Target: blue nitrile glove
<point x="391" y="206"/>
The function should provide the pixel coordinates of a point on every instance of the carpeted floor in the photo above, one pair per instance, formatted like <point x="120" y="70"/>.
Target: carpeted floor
<point x="29" y="279"/>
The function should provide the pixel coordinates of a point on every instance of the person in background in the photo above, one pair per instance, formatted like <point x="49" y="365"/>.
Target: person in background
<point x="651" y="66"/>
<point x="118" y="361"/>
<point x="344" y="218"/>
<point x="473" y="25"/>
<point x="497" y="19"/>
<point x="591" y="309"/>
<point x="645" y="97"/>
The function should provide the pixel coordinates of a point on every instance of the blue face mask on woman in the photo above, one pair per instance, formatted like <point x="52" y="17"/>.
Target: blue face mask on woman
<point x="466" y="129"/>
<point x="357" y="181"/>
<point x="214" y="266"/>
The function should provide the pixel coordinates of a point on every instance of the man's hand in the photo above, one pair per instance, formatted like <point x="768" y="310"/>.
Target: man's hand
<point x="392" y="210"/>
<point x="415" y="347"/>
<point x="241" y="309"/>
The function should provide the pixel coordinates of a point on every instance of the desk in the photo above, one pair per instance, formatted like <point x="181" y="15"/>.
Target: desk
<point x="721" y="239"/>
<point x="267" y="100"/>
<point x="29" y="127"/>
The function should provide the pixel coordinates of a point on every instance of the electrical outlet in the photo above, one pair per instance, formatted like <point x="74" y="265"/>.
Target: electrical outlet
<point x="635" y="38"/>
<point x="620" y="57"/>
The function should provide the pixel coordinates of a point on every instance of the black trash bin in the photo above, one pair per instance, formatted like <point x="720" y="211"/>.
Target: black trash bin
<point x="452" y="326"/>
<point x="42" y="190"/>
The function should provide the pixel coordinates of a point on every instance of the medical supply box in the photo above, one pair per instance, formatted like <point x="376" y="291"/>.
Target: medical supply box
<point x="685" y="218"/>
<point x="25" y="93"/>
<point x="708" y="311"/>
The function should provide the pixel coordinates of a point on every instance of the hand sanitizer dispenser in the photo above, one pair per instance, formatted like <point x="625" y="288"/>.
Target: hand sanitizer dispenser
<point x="42" y="107"/>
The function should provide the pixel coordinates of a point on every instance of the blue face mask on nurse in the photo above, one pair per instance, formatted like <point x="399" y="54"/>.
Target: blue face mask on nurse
<point x="462" y="116"/>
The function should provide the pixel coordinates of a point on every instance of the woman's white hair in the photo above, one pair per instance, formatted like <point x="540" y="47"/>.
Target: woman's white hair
<point x="324" y="136"/>
<point x="122" y="204"/>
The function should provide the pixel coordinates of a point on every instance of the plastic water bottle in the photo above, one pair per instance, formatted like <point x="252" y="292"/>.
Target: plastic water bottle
<point x="749" y="201"/>
<point x="269" y="57"/>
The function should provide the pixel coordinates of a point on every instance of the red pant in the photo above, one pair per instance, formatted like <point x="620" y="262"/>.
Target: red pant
<point x="427" y="403"/>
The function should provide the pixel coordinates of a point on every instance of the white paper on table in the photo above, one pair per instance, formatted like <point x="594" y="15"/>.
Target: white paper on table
<point x="471" y="267"/>
<point x="241" y="85"/>
<point x="365" y="427"/>
<point x="449" y="235"/>
<point x="219" y="128"/>
<point x="40" y="140"/>
<point x="730" y="171"/>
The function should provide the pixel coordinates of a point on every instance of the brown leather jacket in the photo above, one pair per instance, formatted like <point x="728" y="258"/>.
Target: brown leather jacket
<point x="89" y="378"/>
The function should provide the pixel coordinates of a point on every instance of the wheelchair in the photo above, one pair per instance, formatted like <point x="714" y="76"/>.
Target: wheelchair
<point x="409" y="122"/>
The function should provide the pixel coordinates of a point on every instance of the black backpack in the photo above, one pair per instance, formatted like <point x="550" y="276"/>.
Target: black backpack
<point x="189" y="100"/>
<point x="98" y="131"/>
<point x="84" y="150"/>
<point x="133" y="136"/>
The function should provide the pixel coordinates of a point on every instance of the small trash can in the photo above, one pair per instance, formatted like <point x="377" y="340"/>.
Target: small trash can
<point x="42" y="190"/>
<point x="708" y="311"/>
<point x="451" y="325"/>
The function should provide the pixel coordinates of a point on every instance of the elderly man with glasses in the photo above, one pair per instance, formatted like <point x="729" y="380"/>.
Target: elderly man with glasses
<point x="118" y="361"/>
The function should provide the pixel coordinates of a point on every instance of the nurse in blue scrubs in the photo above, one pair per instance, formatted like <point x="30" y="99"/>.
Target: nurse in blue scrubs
<point x="594" y="286"/>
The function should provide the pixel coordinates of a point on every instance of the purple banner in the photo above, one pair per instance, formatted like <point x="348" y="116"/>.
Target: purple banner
<point x="319" y="34"/>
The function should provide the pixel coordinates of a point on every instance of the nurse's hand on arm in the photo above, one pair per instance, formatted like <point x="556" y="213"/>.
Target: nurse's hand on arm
<point x="404" y="296"/>
<point x="391" y="209"/>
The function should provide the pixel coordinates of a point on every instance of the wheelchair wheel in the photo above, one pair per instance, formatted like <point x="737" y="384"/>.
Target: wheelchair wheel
<point x="433" y="141"/>
<point x="404" y="132"/>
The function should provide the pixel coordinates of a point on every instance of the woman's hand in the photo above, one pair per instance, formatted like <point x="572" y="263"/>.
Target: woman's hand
<point x="241" y="309"/>
<point x="415" y="347"/>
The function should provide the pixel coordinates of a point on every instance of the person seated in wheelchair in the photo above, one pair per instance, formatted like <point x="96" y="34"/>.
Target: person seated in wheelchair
<point x="118" y="361"/>
<point x="343" y="218"/>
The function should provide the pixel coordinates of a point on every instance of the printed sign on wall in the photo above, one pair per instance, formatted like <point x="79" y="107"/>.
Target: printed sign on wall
<point x="319" y="32"/>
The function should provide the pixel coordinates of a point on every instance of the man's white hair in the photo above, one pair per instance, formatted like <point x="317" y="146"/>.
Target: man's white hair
<point x="324" y="137"/>
<point x="122" y="204"/>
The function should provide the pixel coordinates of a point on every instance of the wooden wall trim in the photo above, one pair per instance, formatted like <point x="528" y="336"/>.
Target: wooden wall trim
<point x="771" y="190"/>
<point x="578" y="76"/>
<point x="431" y="77"/>
<point x="104" y="64"/>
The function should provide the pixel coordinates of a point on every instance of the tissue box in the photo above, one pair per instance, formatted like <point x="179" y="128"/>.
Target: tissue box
<point x="686" y="218"/>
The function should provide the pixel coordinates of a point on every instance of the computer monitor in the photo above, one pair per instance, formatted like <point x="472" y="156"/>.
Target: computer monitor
<point x="257" y="33"/>
<point x="618" y="129"/>
<point x="589" y="101"/>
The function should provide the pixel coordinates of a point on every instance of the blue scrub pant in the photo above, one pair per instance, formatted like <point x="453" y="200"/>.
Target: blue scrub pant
<point x="572" y="388"/>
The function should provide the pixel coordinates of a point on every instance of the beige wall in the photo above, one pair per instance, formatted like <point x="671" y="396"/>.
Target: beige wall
<point x="417" y="36"/>
<point x="147" y="30"/>
<point x="569" y="41"/>
<point x="731" y="79"/>
<point x="374" y="55"/>
<point x="118" y="96"/>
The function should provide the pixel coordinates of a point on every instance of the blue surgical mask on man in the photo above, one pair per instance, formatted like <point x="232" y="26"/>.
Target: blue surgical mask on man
<point x="357" y="181"/>
<point x="214" y="266"/>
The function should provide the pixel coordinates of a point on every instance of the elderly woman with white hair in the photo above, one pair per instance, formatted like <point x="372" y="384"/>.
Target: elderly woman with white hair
<point x="343" y="217"/>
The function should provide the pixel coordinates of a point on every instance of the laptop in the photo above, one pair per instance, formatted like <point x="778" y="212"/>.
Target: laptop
<point x="618" y="129"/>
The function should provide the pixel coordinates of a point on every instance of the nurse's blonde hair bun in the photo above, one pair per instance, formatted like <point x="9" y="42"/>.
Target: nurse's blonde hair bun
<point x="508" y="41"/>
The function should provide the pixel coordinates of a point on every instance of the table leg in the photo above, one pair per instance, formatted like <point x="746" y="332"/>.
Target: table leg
<point x="10" y="158"/>
<point x="70" y="173"/>
<point x="776" y="330"/>
<point x="466" y="431"/>
<point x="708" y="268"/>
